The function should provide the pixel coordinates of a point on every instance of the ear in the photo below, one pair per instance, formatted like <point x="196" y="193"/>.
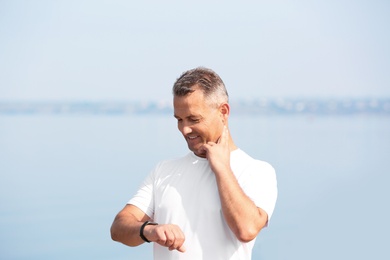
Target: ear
<point x="224" y="110"/>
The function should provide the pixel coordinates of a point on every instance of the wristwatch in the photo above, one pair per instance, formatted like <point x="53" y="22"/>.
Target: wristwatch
<point x="141" y="231"/>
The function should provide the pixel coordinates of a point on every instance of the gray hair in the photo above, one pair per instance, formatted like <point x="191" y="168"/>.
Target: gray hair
<point x="207" y="80"/>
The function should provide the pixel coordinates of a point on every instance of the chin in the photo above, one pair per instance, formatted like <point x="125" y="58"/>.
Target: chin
<point x="202" y="155"/>
<point x="195" y="150"/>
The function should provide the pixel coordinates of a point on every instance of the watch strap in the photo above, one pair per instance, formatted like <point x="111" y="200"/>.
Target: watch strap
<point x="141" y="231"/>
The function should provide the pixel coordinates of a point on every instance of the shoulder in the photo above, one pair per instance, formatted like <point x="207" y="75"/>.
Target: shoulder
<point x="249" y="164"/>
<point x="175" y="161"/>
<point x="167" y="165"/>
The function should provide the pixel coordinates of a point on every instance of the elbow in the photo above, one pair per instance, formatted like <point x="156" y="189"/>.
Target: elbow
<point x="116" y="232"/>
<point x="247" y="235"/>
<point x="248" y="229"/>
<point x="249" y="232"/>
<point x="118" y="236"/>
<point x="114" y="235"/>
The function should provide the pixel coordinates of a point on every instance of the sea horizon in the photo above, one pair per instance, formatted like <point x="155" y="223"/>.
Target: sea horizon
<point x="256" y="106"/>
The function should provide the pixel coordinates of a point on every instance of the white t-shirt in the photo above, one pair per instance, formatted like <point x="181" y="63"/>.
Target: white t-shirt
<point x="184" y="192"/>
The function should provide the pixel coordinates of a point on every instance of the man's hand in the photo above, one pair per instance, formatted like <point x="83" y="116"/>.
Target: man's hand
<point x="243" y="217"/>
<point x="167" y="235"/>
<point x="127" y="224"/>
<point x="218" y="153"/>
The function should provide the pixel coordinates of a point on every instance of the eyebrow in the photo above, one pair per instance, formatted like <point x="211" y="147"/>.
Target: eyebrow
<point x="196" y="116"/>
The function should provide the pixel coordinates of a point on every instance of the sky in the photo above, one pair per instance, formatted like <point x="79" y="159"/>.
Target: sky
<point x="127" y="50"/>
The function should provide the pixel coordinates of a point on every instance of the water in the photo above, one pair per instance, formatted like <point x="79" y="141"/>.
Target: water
<point x="63" y="179"/>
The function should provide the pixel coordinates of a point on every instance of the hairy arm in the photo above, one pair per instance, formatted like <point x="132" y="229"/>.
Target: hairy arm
<point x="127" y="224"/>
<point x="244" y="218"/>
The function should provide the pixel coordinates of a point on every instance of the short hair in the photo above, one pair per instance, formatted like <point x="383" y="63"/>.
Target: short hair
<point x="207" y="80"/>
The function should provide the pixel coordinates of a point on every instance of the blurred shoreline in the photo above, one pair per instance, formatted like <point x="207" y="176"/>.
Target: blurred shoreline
<point x="261" y="106"/>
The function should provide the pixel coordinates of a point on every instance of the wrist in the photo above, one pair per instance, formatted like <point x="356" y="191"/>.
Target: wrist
<point x="142" y="229"/>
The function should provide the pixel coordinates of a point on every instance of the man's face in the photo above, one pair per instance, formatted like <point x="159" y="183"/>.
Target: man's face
<point x="197" y="120"/>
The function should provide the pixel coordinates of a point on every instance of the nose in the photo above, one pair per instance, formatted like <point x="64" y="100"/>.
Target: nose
<point x="185" y="129"/>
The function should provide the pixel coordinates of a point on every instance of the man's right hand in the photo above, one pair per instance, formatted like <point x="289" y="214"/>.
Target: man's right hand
<point x="127" y="224"/>
<point x="167" y="235"/>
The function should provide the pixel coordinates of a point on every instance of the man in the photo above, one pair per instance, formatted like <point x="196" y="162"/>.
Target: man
<point x="211" y="203"/>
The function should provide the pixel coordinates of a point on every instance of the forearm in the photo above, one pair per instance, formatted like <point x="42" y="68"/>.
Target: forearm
<point x="126" y="227"/>
<point x="244" y="218"/>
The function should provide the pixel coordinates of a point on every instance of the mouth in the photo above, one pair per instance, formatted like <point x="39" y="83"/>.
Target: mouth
<point x="190" y="138"/>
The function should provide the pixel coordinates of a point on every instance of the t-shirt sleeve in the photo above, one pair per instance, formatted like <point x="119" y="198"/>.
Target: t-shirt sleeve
<point x="260" y="186"/>
<point x="144" y="198"/>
